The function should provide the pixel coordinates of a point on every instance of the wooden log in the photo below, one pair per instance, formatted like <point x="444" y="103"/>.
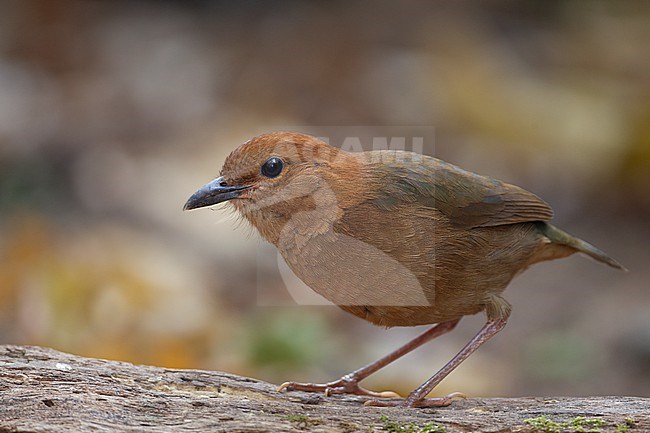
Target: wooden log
<point x="42" y="390"/>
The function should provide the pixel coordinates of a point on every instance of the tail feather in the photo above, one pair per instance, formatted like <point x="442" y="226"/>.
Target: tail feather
<point x="563" y="238"/>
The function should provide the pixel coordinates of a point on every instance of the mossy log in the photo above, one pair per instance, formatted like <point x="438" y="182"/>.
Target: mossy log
<point x="42" y="390"/>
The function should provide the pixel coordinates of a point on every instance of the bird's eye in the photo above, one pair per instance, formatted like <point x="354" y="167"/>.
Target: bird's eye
<point x="272" y="167"/>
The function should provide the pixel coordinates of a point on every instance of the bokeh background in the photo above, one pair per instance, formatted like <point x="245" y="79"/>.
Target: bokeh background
<point x="113" y="113"/>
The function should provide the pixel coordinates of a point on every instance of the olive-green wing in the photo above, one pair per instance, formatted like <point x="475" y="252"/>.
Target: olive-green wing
<point x="467" y="199"/>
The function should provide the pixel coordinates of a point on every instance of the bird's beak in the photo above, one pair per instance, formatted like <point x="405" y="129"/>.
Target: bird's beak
<point x="214" y="192"/>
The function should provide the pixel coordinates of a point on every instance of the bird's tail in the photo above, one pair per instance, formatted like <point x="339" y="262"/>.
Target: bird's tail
<point x="563" y="238"/>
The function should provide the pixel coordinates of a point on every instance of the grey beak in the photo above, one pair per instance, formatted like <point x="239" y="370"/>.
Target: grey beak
<point x="214" y="192"/>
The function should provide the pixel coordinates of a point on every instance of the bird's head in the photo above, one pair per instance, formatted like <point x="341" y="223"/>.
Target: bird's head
<point x="272" y="176"/>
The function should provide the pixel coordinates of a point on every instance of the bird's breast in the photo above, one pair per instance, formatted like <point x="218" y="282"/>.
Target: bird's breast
<point x="348" y="271"/>
<point x="403" y="268"/>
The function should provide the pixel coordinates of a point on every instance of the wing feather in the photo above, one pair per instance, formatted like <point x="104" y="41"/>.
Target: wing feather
<point x="467" y="199"/>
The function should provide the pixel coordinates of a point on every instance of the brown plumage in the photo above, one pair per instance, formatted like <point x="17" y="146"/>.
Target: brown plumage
<point x="393" y="237"/>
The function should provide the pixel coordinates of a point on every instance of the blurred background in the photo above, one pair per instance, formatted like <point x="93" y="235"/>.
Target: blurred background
<point x="113" y="113"/>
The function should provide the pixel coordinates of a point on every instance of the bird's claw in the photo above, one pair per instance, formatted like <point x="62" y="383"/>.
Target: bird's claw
<point x="423" y="402"/>
<point x="341" y="386"/>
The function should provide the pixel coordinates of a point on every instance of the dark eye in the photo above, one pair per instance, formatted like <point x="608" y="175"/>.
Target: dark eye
<point x="272" y="167"/>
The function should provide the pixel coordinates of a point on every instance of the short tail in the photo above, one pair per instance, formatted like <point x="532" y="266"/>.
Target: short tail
<point x="563" y="238"/>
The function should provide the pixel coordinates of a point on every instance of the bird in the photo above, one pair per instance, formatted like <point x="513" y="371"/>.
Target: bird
<point x="393" y="237"/>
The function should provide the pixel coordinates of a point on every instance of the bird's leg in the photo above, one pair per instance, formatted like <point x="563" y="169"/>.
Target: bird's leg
<point x="349" y="384"/>
<point x="417" y="397"/>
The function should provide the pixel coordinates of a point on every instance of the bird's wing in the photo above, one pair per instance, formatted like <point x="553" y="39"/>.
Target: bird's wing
<point x="467" y="199"/>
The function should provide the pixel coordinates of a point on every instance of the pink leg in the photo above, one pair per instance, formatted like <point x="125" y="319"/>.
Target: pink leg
<point x="349" y="384"/>
<point x="417" y="397"/>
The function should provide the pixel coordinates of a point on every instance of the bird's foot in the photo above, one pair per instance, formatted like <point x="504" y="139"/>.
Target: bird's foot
<point x="423" y="402"/>
<point x="345" y="385"/>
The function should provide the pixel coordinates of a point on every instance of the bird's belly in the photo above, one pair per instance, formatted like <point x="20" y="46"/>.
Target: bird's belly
<point x="352" y="273"/>
<point x="454" y="280"/>
<point x="372" y="285"/>
<point x="407" y="316"/>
